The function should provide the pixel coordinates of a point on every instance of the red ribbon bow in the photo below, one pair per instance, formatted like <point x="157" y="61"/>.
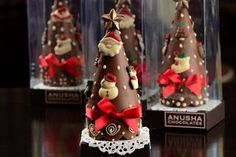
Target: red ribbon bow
<point x="172" y="83"/>
<point x="109" y="114"/>
<point x="53" y="64"/>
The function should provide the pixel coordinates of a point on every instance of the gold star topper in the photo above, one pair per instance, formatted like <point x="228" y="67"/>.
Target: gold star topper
<point x="181" y="3"/>
<point x="112" y="20"/>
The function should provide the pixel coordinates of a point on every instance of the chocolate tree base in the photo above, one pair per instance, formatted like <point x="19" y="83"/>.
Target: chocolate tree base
<point x="202" y="118"/>
<point x="56" y="97"/>
<point x="86" y="151"/>
<point x="41" y="95"/>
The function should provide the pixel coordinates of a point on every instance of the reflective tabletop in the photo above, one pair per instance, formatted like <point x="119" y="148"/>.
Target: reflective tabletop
<point x="29" y="131"/>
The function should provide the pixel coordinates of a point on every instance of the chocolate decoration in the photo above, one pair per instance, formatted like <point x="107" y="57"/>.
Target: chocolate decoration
<point x="60" y="3"/>
<point x="57" y="30"/>
<point x="132" y="43"/>
<point x="126" y="98"/>
<point x="120" y="3"/>
<point x="111" y="20"/>
<point x="183" y="40"/>
<point x="88" y="90"/>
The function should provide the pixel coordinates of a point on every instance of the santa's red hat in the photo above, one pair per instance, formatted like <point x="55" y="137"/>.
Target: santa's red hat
<point x="110" y="77"/>
<point x="125" y="11"/>
<point x="113" y="34"/>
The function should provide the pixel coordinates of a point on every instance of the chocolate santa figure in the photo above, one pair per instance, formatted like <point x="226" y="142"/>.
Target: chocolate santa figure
<point x="183" y="77"/>
<point x="113" y="110"/>
<point x="61" y="61"/>
<point x="132" y="39"/>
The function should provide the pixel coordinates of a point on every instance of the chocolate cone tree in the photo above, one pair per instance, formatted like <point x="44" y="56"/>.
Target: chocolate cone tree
<point x="131" y="38"/>
<point x="182" y="77"/>
<point x="61" y="60"/>
<point x="113" y="110"/>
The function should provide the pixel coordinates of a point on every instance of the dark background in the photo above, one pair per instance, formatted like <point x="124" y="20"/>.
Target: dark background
<point x="13" y="43"/>
<point x="14" y="50"/>
<point x="17" y="123"/>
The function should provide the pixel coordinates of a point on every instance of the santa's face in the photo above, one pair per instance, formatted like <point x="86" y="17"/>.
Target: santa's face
<point x="109" y="46"/>
<point x="61" y="15"/>
<point x="63" y="47"/>
<point x="126" y="22"/>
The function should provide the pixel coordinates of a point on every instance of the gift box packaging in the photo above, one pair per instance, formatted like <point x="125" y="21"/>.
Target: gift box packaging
<point x="181" y="39"/>
<point x="57" y="59"/>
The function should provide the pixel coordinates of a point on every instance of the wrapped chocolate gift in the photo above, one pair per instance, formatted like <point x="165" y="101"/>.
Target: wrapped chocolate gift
<point x="57" y="63"/>
<point x="183" y="74"/>
<point x="61" y="60"/>
<point x="114" y="110"/>
<point x="183" y="46"/>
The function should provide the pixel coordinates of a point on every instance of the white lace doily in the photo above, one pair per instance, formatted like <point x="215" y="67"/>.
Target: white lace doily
<point x="120" y="147"/>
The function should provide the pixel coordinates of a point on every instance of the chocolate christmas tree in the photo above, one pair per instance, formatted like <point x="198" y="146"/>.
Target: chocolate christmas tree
<point x="113" y="110"/>
<point x="183" y="75"/>
<point x="131" y="38"/>
<point x="61" y="60"/>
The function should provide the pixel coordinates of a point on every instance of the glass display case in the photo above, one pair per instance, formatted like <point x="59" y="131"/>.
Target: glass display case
<point x="131" y="34"/>
<point x="114" y="49"/>
<point x="182" y="48"/>
<point x="57" y="60"/>
<point x="93" y="30"/>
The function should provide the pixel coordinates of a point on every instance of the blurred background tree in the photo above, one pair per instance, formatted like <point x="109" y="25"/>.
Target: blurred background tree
<point x="14" y="48"/>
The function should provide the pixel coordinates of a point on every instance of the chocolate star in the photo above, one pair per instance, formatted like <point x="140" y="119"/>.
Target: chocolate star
<point x="181" y="3"/>
<point x="112" y="20"/>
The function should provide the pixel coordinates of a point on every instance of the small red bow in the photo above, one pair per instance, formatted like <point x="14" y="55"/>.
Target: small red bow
<point x="172" y="83"/>
<point x="53" y="64"/>
<point x="109" y="114"/>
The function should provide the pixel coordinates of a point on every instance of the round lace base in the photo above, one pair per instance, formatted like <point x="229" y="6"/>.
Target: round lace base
<point x="120" y="147"/>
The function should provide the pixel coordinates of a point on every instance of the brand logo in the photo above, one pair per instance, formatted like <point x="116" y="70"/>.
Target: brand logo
<point x="185" y="120"/>
<point x="63" y="97"/>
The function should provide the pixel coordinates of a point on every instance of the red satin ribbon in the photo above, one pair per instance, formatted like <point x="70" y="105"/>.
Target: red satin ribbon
<point x="53" y="64"/>
<point x="172" y="82"/>
<point x="109" y="114"/>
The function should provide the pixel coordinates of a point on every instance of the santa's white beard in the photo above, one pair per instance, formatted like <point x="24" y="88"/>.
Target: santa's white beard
<point x="109" y="49"/>
<point x="126" y="22"/>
